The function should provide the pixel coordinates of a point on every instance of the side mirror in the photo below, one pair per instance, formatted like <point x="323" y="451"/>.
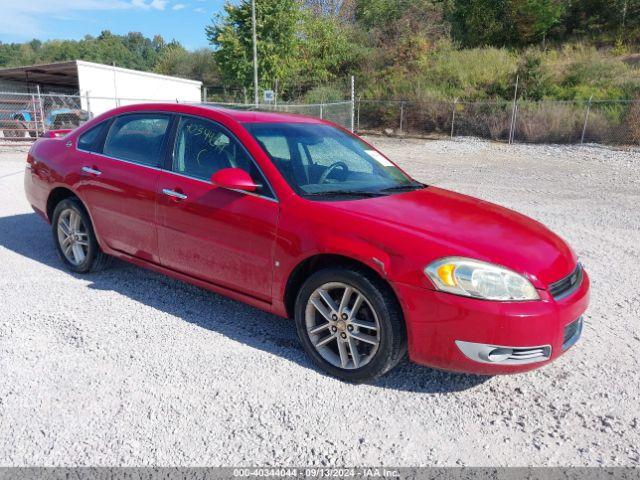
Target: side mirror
<point x="234" y="179"/>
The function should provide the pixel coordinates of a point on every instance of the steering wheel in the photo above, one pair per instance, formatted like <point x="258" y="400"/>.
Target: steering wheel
<point x="329" y="171"/>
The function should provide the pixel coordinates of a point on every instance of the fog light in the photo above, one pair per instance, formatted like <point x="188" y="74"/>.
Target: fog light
<point x="499" y="354"/>
<point x="504" y="355"/>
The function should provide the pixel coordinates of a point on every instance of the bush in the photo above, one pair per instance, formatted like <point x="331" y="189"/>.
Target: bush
<point x="324" y="94"/>
<point x="428" y="118"/>
<point x="577" y="72"/>
<point x="632" y="122"/>
<point x="485" y="120"/>
<point x="474" y="73"/>
<point x="549" y="123"/>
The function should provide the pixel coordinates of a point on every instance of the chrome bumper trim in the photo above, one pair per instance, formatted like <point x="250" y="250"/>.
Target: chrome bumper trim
<point x="504" y="355"/>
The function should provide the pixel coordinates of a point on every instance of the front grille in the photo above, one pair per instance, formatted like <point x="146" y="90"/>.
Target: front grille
<point x="567" y="285"/>
<point x="572" y="333"/>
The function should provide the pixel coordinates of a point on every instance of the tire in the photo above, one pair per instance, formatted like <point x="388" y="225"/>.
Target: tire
<point x="378" y="317"/>
<point x="70" y="218"/>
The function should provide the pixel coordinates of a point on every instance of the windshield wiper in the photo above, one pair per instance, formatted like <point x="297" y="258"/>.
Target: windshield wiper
<point x="345" y="193"/>
<point x="404" y="188"/>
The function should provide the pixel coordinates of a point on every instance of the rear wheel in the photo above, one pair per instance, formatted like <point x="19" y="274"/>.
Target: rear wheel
<point x="75" y="239"/>
<point x="350" y="324"/>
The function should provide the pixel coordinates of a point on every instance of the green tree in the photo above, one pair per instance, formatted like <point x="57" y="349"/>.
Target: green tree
<point x="505" y="22"/>
<point x="277" y="25"/>
<point x="603" y="21"/>
<point x="197" y="65"/>
<point x="294" y="46"/>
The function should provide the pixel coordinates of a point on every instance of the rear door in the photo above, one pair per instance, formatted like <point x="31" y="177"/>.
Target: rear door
<point x="224" y="237"/>
<point x="120" y="176"/>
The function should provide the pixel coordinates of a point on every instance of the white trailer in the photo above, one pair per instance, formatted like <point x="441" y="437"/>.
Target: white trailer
<point x="103" y="87"/>
<point x="100" y="87"/>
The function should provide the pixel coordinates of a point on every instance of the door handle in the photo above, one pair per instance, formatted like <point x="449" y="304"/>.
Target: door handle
<point x="174" y="194"/>
<point x="92" y="171"/>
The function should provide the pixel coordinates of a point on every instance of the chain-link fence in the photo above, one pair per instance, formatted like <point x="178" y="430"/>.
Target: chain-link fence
<point x="24" y="117"/>
<point x="615" y="122"/>
<point x="340" y="113"/>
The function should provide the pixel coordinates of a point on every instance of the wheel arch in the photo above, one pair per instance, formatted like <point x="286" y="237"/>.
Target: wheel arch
<point x="55" y="197"/>
<point x="312" y="264"/>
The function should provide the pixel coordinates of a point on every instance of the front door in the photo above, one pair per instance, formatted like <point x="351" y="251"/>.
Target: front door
<point x="224" y="237"/>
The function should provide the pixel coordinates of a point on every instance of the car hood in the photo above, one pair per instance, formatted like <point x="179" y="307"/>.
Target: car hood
<point x="466" y="226"/>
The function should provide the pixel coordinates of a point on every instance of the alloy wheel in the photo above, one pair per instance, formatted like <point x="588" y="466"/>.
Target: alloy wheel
<point x="342" y="325"/>
<point x="73" y="236"/>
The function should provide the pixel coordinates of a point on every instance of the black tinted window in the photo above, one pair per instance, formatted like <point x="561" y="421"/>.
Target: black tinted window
<point x="90" y="140"/>
<point x="203" y="147"/>
<point x="137" y="138"/>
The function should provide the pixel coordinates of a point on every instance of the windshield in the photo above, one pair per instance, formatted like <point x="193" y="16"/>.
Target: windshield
<point x="321" y="160"/>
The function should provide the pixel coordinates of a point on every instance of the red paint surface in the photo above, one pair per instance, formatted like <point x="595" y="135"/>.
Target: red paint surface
<point x="229" y="242"/>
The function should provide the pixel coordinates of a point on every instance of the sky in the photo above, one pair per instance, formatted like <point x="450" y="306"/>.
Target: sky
<point x="182" y="20"/>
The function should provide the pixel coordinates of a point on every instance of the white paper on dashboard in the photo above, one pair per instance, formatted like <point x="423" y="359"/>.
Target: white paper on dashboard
<point x="379" y="158"/>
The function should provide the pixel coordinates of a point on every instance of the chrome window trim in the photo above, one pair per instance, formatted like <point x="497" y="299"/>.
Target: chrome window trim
<point x="121" y="160"/>
<point x="110" y="121"/>
<point x="160" y="169"/>
<point x="251" y="194"/>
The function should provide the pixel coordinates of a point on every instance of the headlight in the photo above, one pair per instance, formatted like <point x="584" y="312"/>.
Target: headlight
<point x="474" y="278"/>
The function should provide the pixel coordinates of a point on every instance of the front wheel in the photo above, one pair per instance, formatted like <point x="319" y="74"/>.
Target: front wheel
<point x="350" y="324"/>
<point x="75" y="239"/>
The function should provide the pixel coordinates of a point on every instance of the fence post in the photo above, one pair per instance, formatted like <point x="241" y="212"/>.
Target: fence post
<point x="401" y="115"/>
<point x="115" y="85"/>
<point x="35" y="116"/>
<point x="321" y="111"/>
<point x="586" y="119"/>
<point x="353" y="103"/>
<point x="40" y="108"/>
<point x="453" y="116"/>
<point x="88" y="100"/>
<point x="513" y="111"/>
<point x="515" y="121"/>
<point x="358" y="124"/>
<point x="275" y="96"/>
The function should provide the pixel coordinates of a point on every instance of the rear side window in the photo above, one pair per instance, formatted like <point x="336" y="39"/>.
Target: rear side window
<point x="90" y="140"/>
<point x="137" y="138"/>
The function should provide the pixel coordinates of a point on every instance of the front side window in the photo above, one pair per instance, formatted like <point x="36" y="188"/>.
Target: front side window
<point x="321" y="160"/>
<point x="203" y="147"/>
<point x="137" y="138"/>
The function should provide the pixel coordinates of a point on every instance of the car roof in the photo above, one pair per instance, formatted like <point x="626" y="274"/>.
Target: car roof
<point x="212" y="111"/>
<point x="240" y="116"/>
<point x="255" y="116"/>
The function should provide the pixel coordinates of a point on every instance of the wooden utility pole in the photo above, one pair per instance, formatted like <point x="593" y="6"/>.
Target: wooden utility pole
<point x="255" y="53"/>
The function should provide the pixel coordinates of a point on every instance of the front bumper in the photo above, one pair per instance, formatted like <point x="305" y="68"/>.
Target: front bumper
<point x="457" y="333"/>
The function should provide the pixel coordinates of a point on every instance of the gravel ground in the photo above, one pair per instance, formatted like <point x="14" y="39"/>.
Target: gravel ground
<point x="128" y="367"/>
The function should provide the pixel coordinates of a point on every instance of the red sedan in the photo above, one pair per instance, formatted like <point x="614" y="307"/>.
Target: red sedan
<point x="301" y="218"/>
